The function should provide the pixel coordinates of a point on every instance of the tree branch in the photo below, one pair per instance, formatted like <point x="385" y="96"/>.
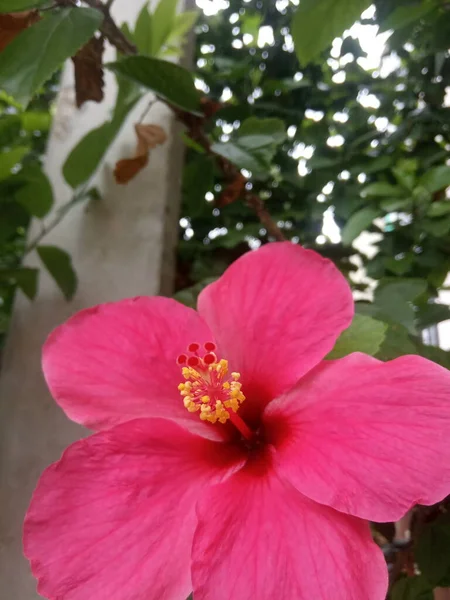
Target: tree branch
<point x="110" y="30"/>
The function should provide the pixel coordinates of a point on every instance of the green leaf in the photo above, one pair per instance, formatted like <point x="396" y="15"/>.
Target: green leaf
<point x="364" y="335"/>
<point x="163" y="21"/>
<point x="254" y="145"/>
<point x="13" y="216"/>
<point x="439" y="209"/>
<point x="198" y="179"/>
<point x="143" y="31"/>
<point x="59" y="264"/>
<point x="437" y="228"/>
<point x="34" y="55"/>
<point x="404" y="178"/>
<point x="36" y="121"/>
<point x="250" y="24"/>
<point x="242" y="158"/>
<point x="393" y="299"/>
<point x="405" y="15"/>
<point x="273" y="128"/>
<point x="9" y="129"/>
<point x="317" y="22"/>
<point x="392" y="205"/>
<point x="397" y="342"/>
<point x="382" y="189"/>
<point x="184" y="22"/>
<point x="10" y="159"/>
<point x="25" y="278"/>
<point x="168" y="80"/>
<point x="430" y="314"/>
<point x="433" y="552"/>
<point x="436" y="179"/>
<point x="85" y="158"/>
<point x="36" y="195"/>
<point x="399" y="266"/>
<point x="412" y="588"/>
<point x="9" y="6"/>
<point x="357" y="223"/>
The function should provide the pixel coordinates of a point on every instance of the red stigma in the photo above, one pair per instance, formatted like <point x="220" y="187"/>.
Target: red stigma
<point x="194" y="347"/>
<point x="181" y="360"/>
<point x="209" y="347"/>
<point x="193" y="361"/>
<point x="208" y="359"/>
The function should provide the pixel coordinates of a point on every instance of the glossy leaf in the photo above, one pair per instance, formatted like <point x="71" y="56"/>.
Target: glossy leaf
<point x="405" y="15"/>
<point x="9" y="6"/>
<point x="163" y="20"/>
<point x="198" y="179"/>
<point x="439" y="209"/>
<point x="394" y="298"/>
<point x="8" y="160"/>
<point x="85" y="158"/>
<point x="184" y="22"/>
<point x="142" y="36"/>
<point x="167" y="80"/>
<point x="431" y="314"/>
<point x="36" y="195"/>
<point x="59" y="264"/>
<point x="273" y="128"/>
<point x="25" y="278"/>
<point x="244" y="154"/>
<point x="36" y="121"/>
<point x="364" y="335"/>
<point x="383" y="190"/>
<point x="357" y="223"/>
<point x="34" y="55"/>
<point x="13" y="217"/>
<point x="436" y="179"/>
<point x="317" y="23"/>
<point x="9" y="129"/>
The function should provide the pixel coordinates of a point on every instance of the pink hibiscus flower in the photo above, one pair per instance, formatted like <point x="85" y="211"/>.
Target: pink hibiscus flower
<point x="230" y="458"/>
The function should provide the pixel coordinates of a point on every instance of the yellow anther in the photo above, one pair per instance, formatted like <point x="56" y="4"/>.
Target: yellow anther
<point x="205" y="391"/>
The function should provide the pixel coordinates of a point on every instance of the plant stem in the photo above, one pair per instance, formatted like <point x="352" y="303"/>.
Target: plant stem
<point x="59" y="216"/>
<point x="147" y="109"/>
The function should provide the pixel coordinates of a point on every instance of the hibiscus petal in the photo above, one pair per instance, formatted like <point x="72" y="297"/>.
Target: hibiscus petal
<point x="114" y="518"/>
<point x="258" y="538"/>
<point x="275" y="314"/>
<point x="116" y="362"/>
<point x="365" y="437"/>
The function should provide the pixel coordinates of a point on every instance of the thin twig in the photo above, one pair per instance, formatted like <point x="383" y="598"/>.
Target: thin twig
<point x="79" y="196"/>
<point x="147" y="109"/>
<point x="110" y="30"/>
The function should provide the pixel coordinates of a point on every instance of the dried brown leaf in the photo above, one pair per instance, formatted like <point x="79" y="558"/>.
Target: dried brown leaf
<point x="88" y="64"/>
<point x="127" y="168"/>
<point x="12" y="24"/>
<point x="148" y="137"/>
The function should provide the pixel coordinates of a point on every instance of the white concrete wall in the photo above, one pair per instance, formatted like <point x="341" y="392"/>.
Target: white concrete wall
<point x="122" y="245"/>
